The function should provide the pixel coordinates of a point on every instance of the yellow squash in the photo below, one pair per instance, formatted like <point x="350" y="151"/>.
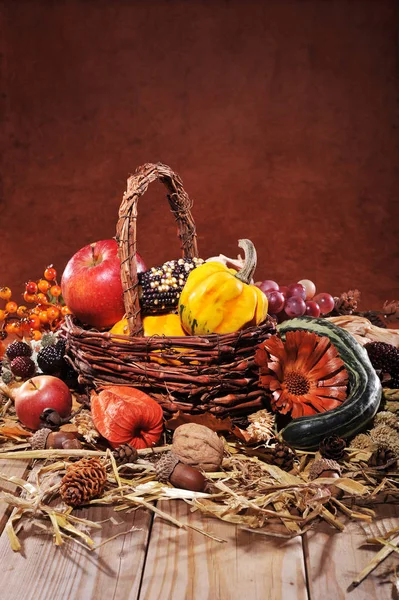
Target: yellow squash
<point x="216" y="299"/>
<point x="168" y="325"/>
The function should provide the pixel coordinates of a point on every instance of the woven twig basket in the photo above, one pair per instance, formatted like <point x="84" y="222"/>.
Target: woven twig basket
<point x="214" y="373"/>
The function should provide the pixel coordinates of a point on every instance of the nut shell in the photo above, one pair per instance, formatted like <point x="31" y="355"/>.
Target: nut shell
<point x="57" y="439"/>
<point x="71" y="444"/>
<point x="198" y="446"/>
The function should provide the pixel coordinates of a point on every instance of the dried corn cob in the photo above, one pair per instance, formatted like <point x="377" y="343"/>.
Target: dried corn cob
<point x="161" y="286"/>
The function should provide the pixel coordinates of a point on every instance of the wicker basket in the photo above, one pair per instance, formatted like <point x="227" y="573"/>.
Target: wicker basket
<point x="214" y="373"/>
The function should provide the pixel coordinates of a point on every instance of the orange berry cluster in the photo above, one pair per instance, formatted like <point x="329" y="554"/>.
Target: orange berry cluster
<point x="46" y="310"/>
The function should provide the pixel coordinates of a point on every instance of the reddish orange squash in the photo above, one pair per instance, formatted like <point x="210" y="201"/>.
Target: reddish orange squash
<point x="125" y="415"/>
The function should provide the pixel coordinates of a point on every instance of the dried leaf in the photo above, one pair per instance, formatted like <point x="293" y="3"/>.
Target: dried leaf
<point x="69" y="427"/>
<point x="13" y="430"/>
<point x="207" y="419"/>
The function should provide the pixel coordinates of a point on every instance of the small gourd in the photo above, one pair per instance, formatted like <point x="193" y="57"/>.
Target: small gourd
<point x="216" y="299"/>
<point x="362" y="402"/>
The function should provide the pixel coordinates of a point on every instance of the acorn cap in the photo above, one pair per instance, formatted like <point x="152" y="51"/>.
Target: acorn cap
<point x="323" y="464"/>
<point x="165" y="466"/>
<point x="38" y="439"/>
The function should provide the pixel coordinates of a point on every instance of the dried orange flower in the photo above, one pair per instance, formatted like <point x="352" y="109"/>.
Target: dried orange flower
<point x="305" y="373"/>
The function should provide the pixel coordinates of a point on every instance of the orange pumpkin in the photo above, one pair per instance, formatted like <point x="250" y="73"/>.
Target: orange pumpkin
<point x="125" y="415"/>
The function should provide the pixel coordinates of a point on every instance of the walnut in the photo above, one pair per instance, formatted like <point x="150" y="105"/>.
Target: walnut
<point x="198" y="446"/>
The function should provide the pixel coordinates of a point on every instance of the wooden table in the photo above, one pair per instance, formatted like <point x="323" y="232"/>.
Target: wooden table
<point x="156" y="560"/>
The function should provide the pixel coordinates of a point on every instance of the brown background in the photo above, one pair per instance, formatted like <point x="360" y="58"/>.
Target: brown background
<point x="280" y="116"/>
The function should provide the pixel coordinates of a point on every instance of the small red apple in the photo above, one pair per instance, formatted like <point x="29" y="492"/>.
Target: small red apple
<point x="91" y="284"/>
<point x="38" y="393"/>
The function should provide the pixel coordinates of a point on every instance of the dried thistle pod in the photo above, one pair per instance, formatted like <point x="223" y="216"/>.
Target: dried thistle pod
<point x="363" y="441"/>
<point x="198" y="446"/>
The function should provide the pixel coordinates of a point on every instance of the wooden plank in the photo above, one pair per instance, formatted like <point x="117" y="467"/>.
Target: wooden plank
<point x="185" y="565"/>
<point x="42" y="570"/>
<point x="334" y="559"/>
<point x="18" y="468"/>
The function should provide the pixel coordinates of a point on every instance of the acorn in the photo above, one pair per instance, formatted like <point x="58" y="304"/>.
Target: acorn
<point x="169" y="469"/>
<point x="324" y="467"/>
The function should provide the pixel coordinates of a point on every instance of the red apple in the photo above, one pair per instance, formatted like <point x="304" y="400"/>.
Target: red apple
<point x="38" y="393"/>
<point x="91" y="284"/>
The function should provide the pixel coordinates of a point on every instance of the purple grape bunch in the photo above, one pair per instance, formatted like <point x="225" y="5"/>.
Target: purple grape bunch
<point x="296" y="300"/>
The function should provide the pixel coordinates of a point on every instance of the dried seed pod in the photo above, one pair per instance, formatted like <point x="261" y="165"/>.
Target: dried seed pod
<point x="198" y="446"/>
<point x="51" y="418"/>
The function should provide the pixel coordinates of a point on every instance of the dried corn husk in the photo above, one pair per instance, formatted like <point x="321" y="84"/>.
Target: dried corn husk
<point x="364" y="331"/>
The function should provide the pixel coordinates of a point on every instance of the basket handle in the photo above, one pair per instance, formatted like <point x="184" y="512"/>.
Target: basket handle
<point x="180" y="205"/>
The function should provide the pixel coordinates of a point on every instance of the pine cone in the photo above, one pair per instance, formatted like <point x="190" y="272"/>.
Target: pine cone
<point x="282" y="456"/>
<point x="125" y="454"/>
<point x="382" y="457"/>
<point x="332" y="447"/>
<point x="83" y="481"/>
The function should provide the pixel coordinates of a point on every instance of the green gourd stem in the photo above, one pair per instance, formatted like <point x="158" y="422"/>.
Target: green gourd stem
<point x="250" y="258"/>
